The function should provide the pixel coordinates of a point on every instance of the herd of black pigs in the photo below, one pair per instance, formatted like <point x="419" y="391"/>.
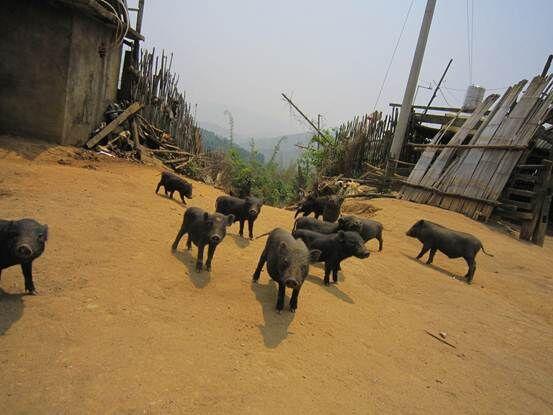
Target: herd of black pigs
<point x="287" y="255"/>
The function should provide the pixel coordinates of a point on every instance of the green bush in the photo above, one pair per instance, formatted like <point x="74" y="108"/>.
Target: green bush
<point x="277" y="186"/>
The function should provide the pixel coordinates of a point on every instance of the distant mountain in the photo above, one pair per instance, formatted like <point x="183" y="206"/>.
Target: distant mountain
<point x="288" y="152"/>
<point x="214" y="142"/>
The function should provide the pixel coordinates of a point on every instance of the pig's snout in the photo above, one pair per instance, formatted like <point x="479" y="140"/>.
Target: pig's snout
<point x="215" y="239"/>
<point x="292" y="284"/>
<point x="364" y="254"/>
<point x="252" y="212"/>
<point x="24" y="251"/>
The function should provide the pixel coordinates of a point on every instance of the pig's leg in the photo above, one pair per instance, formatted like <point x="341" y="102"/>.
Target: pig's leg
<point x="380" y="242"/>
<point x="335" y="272"/>
<point x="181" y="233"/>
<point x="171" y="194"/>
<point x="250" y="228"/>
<point x="158" y="186"/>
<point x="27" y="269"/>
<point x="280" y="298"/>
<point x="423" y="251"/>
<point x="182" y="198"/>
<point x="294" y="300"/>
<point x="210" y="253"/>
<point x="189" y="242"/>
<point x="200" y="260"/>
<point x="260" y="264"/>
<point x="328" y="269"/>
<point x="431" y="256"/>
<point x="472" y="268"/>
<point x="241" y="233"/>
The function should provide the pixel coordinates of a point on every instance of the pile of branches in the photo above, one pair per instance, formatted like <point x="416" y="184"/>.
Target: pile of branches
<point x="126" y="133"/>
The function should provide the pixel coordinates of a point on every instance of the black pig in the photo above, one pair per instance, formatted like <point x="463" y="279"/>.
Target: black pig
<point x="171" y="183"/>
<point x="203" y="229"/>
<point x="21" y="242"/>
<point x="327" y="206"/>
<point x="243" y="210"/>
<point x="287" y="263"/>
<point x="325" y="227"/>
<point x="370" y="229"/>
<point x="454" y="244"/>
<point x="334" y="248"/>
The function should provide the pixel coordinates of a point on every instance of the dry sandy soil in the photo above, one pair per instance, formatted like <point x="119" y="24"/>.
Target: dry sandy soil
<point x="122" y="325"/>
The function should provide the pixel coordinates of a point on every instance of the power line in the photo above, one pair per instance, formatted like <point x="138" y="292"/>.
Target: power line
<point x="393" y="54"/>
<point x="441" y="92"/>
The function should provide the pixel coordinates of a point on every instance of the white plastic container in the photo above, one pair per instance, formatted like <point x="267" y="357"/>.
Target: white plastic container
<point x="473" y="97"/>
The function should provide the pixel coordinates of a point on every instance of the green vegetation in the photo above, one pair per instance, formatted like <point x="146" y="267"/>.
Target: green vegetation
<point x="277" y="186"/>
<point x="246" y="172"/>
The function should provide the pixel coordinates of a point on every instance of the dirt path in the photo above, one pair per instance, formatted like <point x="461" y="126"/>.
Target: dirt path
<point x="124" y="326"/>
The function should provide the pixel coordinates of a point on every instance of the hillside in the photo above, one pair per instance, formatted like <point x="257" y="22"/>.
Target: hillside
<point x="123" y="325"/>
<point x="288" y="152"/>
<point x="214" y="142"/>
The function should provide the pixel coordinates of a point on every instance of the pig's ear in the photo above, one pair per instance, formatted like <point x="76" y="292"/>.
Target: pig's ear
<point x="420" y="222"/>
<point x="206" y="216"/>
<point x="314" y="255"/>
<point x="230" y="219"/>
<point x="341" y="236"/>
<point x="44" y="235"/>
<point x="283" y="248"/>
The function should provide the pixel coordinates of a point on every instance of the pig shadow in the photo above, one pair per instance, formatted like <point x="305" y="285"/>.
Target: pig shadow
<point x="239" y="241"/>
<point x="436" y="268"/>
<point x="172" y="199"/>
<point x="332" y="288"/>
<point x="276" y="325"/>
<point x="11" y="309"/>
<point x="199" y="279"/>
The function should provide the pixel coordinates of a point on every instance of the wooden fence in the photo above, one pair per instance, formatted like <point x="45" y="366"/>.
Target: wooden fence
<point x="165" y="107"/>
<point x="471" y="170"/>
<point x="364" y="140"/>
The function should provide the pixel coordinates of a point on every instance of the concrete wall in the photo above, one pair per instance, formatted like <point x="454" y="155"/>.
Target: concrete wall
<point x="54" y="84"/>
<point x="92" y="79"/>
<point x="34" y="53"/>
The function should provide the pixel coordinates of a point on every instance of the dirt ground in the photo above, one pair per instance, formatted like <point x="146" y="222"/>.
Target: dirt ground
<point x="122" y="325"/>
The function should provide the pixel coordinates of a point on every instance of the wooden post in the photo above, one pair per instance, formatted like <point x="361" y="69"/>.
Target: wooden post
<point x="405" y="113"/>
<point x="539" y="233"/>
<point x="302" y="114"/>
<point x="437" y="87"/>
<point x="136" y="138"/>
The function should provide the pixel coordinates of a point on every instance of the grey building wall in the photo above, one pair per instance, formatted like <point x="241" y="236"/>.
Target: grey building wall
<point x="54" y="84"/>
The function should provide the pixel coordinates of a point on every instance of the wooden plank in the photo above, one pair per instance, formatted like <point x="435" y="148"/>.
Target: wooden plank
<point x="543" y="204"/>
<point x="523" y="216"/>
<point x="468" y="146"/>
<point x="533" y="117"/>
<point x="131" y="109"/>
<point x="462" y="178"/>
<point x="419" y="171"/>
<point x="520" y="192"/>
<point x="526" y="178"/>
<point x="440" y="119"/>
<point x="437" y="191"/>
<point x="518" y="204"/>
<point x="434" y="173"/>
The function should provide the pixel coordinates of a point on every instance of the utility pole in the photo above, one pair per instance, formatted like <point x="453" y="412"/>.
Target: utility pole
<point x="405" y="113"/>
<point x="317" y="129"/>
<point x="437" y="87"/>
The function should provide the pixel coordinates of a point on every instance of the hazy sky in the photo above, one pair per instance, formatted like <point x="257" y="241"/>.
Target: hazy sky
<point x="331" y="56"/>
